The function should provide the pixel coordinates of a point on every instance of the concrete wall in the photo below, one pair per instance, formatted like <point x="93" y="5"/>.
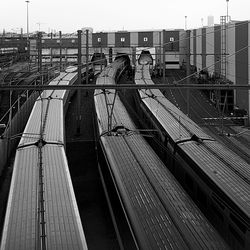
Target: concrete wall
<point x="111" y="39"/>
<point x="156" y="38"/>
<point x="133" y="39"/>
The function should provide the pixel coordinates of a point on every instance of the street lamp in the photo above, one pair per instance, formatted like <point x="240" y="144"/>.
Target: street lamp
<point x="185" y="22"/>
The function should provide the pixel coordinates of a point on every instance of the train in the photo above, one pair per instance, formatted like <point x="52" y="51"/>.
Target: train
<point x="158" y="211"/>
<point x="216" y="178"/>
<point x="42" y="211"/>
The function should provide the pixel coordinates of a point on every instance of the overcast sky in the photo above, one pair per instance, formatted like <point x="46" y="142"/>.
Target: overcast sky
<point x="113" y="15"/>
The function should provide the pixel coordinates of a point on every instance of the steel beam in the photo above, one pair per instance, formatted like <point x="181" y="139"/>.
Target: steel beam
<point x="126" y="86"/>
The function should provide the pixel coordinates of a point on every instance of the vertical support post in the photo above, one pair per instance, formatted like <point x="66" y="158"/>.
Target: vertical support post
<point x="60" y="38"/>
<point x="18" y="102"/>
<point x="222" y="114"/>
<point x="87" y="56"/>
<point x="101" y="55"/>
<point x="164" y="59"/>
<point x="9" y="133"/>
<point x="110" y="55"/>
<point x="160" y="51"/>
<point x="39" y="47"/>
<point x="66" y="56"/>
<point x="51" y="51"/>
<point x="28" y="42"/>
<point x="79" y="59"/>
<point x="188" y="68"/>
<point x="227" y="12"/>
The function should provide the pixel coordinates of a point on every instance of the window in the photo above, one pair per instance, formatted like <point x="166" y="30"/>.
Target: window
<point x="171" y="39"/>
<point x="122" y="39"/>
<point x="145" y="39"/>
<point x="99" y="39"/>
<point x="58" y="41"/>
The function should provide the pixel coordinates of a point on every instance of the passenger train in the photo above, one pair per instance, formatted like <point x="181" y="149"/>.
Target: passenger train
<point x="215" y="177"/>
<point x="159" y="212"/>
<point x="42" y="211"/>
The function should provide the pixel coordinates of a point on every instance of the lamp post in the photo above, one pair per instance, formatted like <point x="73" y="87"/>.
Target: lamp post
<point x="28" y="47"/>
<point x="185" y="22"/>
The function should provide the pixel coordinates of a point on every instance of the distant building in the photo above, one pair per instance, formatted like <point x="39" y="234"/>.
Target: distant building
<point x="210" y="21"/>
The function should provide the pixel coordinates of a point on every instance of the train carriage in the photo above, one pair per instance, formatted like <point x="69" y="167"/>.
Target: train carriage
<point x="216" y="177"/>
<point x="42" y="212"/>
<point x="160" y="213"/>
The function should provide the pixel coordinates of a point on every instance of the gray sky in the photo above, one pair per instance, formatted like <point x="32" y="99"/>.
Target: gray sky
<point x="69" y="16"/>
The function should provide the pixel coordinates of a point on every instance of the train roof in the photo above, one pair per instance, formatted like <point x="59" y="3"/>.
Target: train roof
<point x="63" y="226"/>
<point x="51" y="133"/>
<point x="156" y="204"/>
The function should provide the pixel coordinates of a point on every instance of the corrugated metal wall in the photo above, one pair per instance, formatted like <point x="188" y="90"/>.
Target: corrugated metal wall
<point x="241" y="66"/>
<point x="217" y="49"/>
<point x="210" y="49"/>
<point x="203" y="47"/>
<point x="199" y="48"/>
<point x="208" y="40"/>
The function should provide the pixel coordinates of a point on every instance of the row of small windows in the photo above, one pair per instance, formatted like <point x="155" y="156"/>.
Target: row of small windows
<point x="145" y="39"/>
<point x="58" y="41"/>
<point x="122" y="39"/>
